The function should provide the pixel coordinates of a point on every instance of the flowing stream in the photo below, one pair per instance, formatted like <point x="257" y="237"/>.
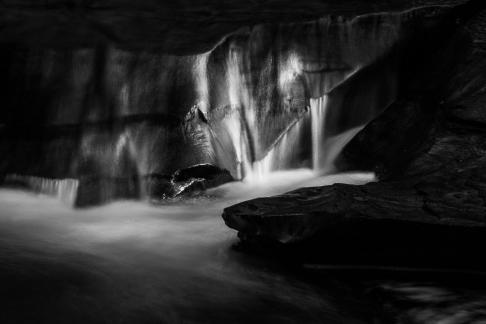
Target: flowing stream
<point x="134" y="262"/>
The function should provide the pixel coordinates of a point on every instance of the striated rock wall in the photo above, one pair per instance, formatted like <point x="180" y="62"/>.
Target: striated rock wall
<point x="110" y="113"/>
<point x="88" y="98"/>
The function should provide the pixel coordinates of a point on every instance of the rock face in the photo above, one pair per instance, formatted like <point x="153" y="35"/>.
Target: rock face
<point x="112" y="115"/>
<point x="151" y="25"/>
<point x="120" y="95"/>
<point x="428" y="150"/>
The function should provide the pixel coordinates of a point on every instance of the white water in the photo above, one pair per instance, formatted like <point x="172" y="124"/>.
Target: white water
<point x="324" y="150"/>
<point x="242" y="101"/>
<point x="132" y="262"/>
<point x="318" y="113"/>
<point x="64" y="189"/>
<point x="241" y="126"/>
<point x="300" y="72"/>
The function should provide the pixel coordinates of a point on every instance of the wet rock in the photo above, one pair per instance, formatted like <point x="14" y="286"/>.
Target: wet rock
<point x="301" y="214"/>
<point x="424" y="222"/>
<point x="198" y="178"/>
<point x="191" y="187"/>
<point x="190" y="181"/>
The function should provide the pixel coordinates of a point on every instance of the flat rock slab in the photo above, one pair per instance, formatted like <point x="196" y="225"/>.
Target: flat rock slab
<point x="301" y="214"/>
<point x="377" y="223"/>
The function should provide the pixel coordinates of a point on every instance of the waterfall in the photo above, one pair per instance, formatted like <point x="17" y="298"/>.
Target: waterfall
<point x="283" y="154"/>
<point x="201" y="80"/>
<point x="277" y="92"/>
<point x="239" y="139"/>
<point x="64" y="189"/>
<point x="318" y="117"/>
<point x="288" y="151"/>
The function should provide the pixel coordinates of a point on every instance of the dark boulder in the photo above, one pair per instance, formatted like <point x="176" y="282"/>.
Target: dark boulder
<point x="191" y="187"/>
<point x="301" y="214"/>
<point x="369" y="225"/>
<point x="197" y="178"/>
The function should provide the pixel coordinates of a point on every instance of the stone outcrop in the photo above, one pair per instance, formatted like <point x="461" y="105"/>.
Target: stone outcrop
<point x="428" y="150"/>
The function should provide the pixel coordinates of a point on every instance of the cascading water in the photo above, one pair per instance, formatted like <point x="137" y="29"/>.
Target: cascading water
<point x="291" y="84"/>
<point x="239" y="119"/>
<point x="264" y="99"/>
<point x="318" y="113"/>
<point x="285" y="152"/>
<point x="64" y="189"/>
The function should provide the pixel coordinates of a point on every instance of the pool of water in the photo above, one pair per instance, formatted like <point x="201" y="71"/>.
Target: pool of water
<point x="133" y="262"/>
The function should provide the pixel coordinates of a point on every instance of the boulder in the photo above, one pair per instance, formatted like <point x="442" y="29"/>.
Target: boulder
<point x="384" y="222"/>
<point x="197" y="178"/>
